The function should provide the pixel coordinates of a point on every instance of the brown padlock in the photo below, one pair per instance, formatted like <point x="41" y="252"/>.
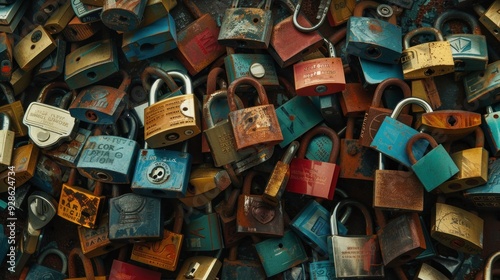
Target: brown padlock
<point x="227" y="214"/>
<point x="355" y="100"/>
<point x="76" y="30"/>
<point x="24" y="160"/>
<point x="90" y="274"/>
<point x="376" y="114"/>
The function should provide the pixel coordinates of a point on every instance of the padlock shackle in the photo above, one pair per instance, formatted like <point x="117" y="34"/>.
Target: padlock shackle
<point x="330" y="47"/>
<point x="348" y="210"/>
<point x="422" y="30"/>
<point x="290" y="152"/>
<point x="212" y="80"/>
<point x="231" y="91"/>
<point x="247" y="182"/>
<point x="188" y="86"/>
<point x="126" y="80"/>
<point x="44" y="93"/>
<point x="150" y="71"/>
<point x="413" y="139"/>
<point x="207" y="107"/>
<point x="317" y="131"/>
<point x="360" y="206"/>
<point x="179" y="219"/>
<point x="321" y="16"/>
<point x="57" y="252"/>
<point x="5" y="121"/>
<point x="193" y="9"/>
<point x="98" y="186"/>
<point x="76" y="253"/>
<point x="229" y="208"/>
<point x="457" y="15"/>
<point x="377" y="96"/>
<point x="363" y="5"/>
<point x="410" y="100"/>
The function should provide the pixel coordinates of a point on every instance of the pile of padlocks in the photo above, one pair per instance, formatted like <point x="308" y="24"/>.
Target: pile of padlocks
<point x="284" y="139"/>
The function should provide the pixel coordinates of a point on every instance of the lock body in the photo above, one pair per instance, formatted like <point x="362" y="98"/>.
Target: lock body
<point x="79" y="206"/>
<point x="52" y="66"/>
<point x="16" y="113"/>
<point x="481" y="87"/>
<point x="162" y="253"/>
<point x="77" y="31"/>
<point x="473" y="170"/>
<point x="487" y="196"/>
<point x="24" y="159"/>
<point x="155" y="10"/>
<point x="123" y="15"/>
<point x="469" y="52"/>
<point x="48" y="176"/>
<point x="95" y="242"/>
<point x="240" y="65"/>
<point x="60" y="18"/>
<point x="7" y="140"/>
<point x="68" y="153"/>
<point x="398" y="189"/>
<point x="33" y="48"/>
<point x="121" y="269"/>
<point x="491" y="18"/>
<point x="203" y="233"/>
<point x="320" y="76"/>
<point x="427" y="60"/>
<point x="98" y="104"/>
<point x="340" y="12"/>
<point x="257" y="217"/>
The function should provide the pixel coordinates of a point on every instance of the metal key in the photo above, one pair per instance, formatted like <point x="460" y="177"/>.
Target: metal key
<point x="42" y="208"/>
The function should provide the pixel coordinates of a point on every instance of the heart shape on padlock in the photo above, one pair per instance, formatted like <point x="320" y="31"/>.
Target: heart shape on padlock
<point x="262" y="212"/>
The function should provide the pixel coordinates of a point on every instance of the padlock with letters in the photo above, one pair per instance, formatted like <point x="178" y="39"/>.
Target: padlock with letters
<point x="52" y="66"/>
<point x="75" y="254"/>
<point x="122" y="15"/>
<point x="94" y="242"/>
<point x="68" y="153"/>
<point x="38" y="271"/>
<point x="33" y="48"/>
<point x="203" y="233"/>
<point x="249" y="28"/>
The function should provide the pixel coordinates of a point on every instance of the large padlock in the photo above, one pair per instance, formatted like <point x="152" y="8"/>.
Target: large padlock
<point x="284" y="32"/>
<point x="95" y="242"/>
<point x="435" y="167"/>
<point x="123" y="15"/>
<point x="313" y="177"/>
<point x="197" y="43"/>
<point x="254" y="215"/>
<point x="376" y="113"/>
<point x="256" y="65"/>
<point x="482" y="87"/>
<point x="203" y="233"/>
<point x="37" y="271"/>
<point x="23" y="166"/>
<point x="487" y="196"/>
<point x="457" y="228"/>
<point x="253" y="125"/>
<point x="427" y="59"/>
<point x="110" y="158"/>
<point x="52" y="66"/>
<point x="149" y="41"/>
<point x="90" y="63"/>
<point x="14" y="109"/>
<point x="473" y="167"/>
<point x="280" y="254"/>
<point x="33" y="48"/>
<point x="99" y="104"/>
<point x="200" y="267"/>
<point x="320" y="76"/>
<point x="489" y="18"/>
<point x="174" y="119"/>
<point x="449" y="125"/>
<point x="370" y="38"/>
<point x="249" y="28"/>
<point x="469" y="51"/>
<point x="356" y="256"/>
<point x="75" y="254"/>
<point x="163" y="253"/>
<point x="7" y="140"/>
<point x="392" y="136"/>
<point x="232" y="267"/>
<point x="79" y="205"/>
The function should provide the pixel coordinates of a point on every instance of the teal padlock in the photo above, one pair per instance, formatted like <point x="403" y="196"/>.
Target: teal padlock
<point x="280" y="254"/>
<point x="491" y="126"/>
<point x="392" y="136"/>
<point x="373" y="73"/>
<point x="433" y="168"/>
<point x="296" y="117"/>
<point x="321" y="269"/>
<point x="202" y="232"/>
<point x="319" y="149"/>
<point x="258" y="66"/>
<point x="487" y="196"/>
<point x="38" y="271"/>
<point x="483" y="87"/>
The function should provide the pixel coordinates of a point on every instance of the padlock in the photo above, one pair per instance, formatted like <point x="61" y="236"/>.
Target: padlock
<point x="397" y="189"/>
<point x="427" y="59"/>
<point x="20" y="80"/>
<point x="279" y="177"/>
<point x="376" y="114"/>
<point x="320" y="268"/>
<point x="355" y="100"/>
<point x="68" y="153"/>
<point x="487" y="196"/>
<point x="284" y="32"/>
<point x="174" y="119"/>
<point x="48" y="176"/>
<point x="7" y="140"/>
<point x="340" y="12"/>
<point x="76" y="30"/>
<point x="355" y="256"/>
<point x="42" y="209"/>
<point x="457" y="228"/>
<point x="122" y="268"/>
<point x="320" y="16"/>
<point x="371" y="73"/>
<point x="392" y="136"/>
<point x="5" y="57"/>
<point x="473" y="167"/>
<point x="149" y="41"/>
<point x="312" y="177"/>
<point x="123" y="16"/>
<point x="426" y="271"/>
<point x="95" y="242"/>
<point x="253" y="125"/>
<point x="14" y="110"/>
<point x="321" y="76"/>
<point x="213" y="81"/>
<point x="469" y="51"/>
<point x="86" y="13"/>
<point x="401" y="239"/>
<point x="155" y="10"/>
<point x="24" y="160"/>
<point x="370" y="38"/>
<point x="482" y="87"/>
<point x="280" y="254"/>
<point x="490" y="126"/>
<point x="37" y="271"/>
<point x="75" y="254"/>
<point x="205" y="183"/>
<point x="163" y="253"/>
<point x="203" y="233"/>
<point x="489" y="18"/>
<point x="109" y="158"/>
<point x="435" y="167"/>
<point x="11" y="15"/>
<point x="259" y="66"/>
<point x="197" y="43"/>
<point x="90" y="63"/>
<point x="99" y="104"/>
<point x="79" y="205"/>
<point x="249" y="28"/>
<point x="52" y="66"/>
<point x="449" y="125"/>
<point x="425" y="89"/>
<point x="255" y="216"/>
<point x="33" y="48"/>
<point x="227" y="214"/>
<point x="234" y="268"/>
<point x="60" y="18"/>
<point x="200" y="267"/>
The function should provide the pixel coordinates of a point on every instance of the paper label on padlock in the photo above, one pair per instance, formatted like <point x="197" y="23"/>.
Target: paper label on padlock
<point x="79" y="206"/>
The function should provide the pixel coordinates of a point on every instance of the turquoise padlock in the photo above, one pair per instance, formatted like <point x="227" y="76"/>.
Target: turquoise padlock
<point x="392" y="136"/>
<point x="202" y="232"/>
<point x="482" y="87"/>
<point x="433" y="168"/>
<point x="38" y="271"/>
<point x="491" y="126"/>
<point x="373" y="73"/>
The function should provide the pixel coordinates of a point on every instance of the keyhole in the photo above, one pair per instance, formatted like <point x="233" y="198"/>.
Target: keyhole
<point x="102" y="176"/>
<point x="459" y="64"/>
<point x="452" y="120"/>
<point x="91" y="75"/>
<point x="122" y="18"/>
<point x="73" y="31"/>
<point x="255" y="20"/>
<point x="280" y="245"/>
<point x="91" y="116"/>
<point x="373" y="52"/>
<point x="250" y="120"/>
<point x="429" y="72"/>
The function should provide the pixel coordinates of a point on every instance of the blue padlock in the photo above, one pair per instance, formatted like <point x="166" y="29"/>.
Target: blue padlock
<point x="38" y="271"/>
<point x="202" y="231"/>
<point x="491" y="127"/>
<point x="372" y="73"/>
<point x="482" y="87"/>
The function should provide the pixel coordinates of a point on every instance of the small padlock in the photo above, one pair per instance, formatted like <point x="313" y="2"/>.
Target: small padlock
<point x="489" y="18"/>
<point x="320" y="76"/>
<point x="174" y="119"/>
<point x="76" y="30"/>
<point x="370" y="38"/>
<point x="482" y="87"/>
<point x="240" y="268"/>
<point x="200" y="267"/>
<point x="312" y="177"/>
<point x="24" y="161"/>
<point x="249" y="28"/>
<point x="149" y="41"/>
<point x="60" y="18"/>
<point x="203" y="233"/>
<point x="33" y="48"/>
<point x="90" y="63"/>
<point x="435" y="167"/>
<point x="123" y="16"/>
<point x="376" y="114"/>
<point x="75" y="254"/>
<point x="487" y="196"/>
<point x="340" y="12"/>
<point x="52" y="66"/>
<point x="205" y="183"/>
<point x="449" y="125"/>
<point x="356" y="256"/>
<point x="37" y="271"/>
<point x="95" y="242"/>
<point x="163" y="253"/>
<point x="254" y="125"/>
<point x="427" y="59"/>
<point x="7" y="140"/>
<point x="100" y="104"/>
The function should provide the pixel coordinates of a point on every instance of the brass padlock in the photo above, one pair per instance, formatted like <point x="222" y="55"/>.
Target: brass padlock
<point x="52" y="66"/>
<point x="24" y="160"/>
<point x="76" y="30"/>
<point x="449" y="125"/>
<point x="490" y="18"/>
<point x="427" y="59"/>
<point x="33" y="48"/>
<point x="6" y="140"/>
<point x="60" y="18"/>
<point x="20" y="80"/>
<point x="123" y="15"/>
